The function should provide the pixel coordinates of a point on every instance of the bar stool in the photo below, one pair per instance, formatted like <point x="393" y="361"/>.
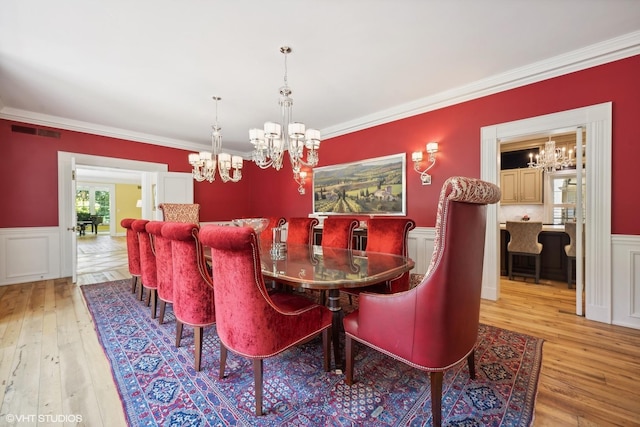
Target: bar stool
<point x="570" y="250"/>
<point x="524" y="242"/>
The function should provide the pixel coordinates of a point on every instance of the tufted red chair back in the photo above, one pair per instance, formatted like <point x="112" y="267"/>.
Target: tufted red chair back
<point x="434" y="325"/>
<point x="193" y="291"/>
<point x="164" y="265"/>
<point x="274" y="221"/>
<point x="300" y="230"/>
<point x="390" y="235"/>
<point x="337" y="232"/>
<point x="250" y="321"/>
<point x="133" y="253"/>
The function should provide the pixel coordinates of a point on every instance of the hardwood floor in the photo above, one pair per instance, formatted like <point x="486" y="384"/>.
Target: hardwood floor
<point x="52" y="364"/>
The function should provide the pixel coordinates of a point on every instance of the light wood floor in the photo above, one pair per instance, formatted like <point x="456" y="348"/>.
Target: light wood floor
<point x="51" y="362"/>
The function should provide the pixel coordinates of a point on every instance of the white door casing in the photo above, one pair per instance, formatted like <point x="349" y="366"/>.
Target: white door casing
<point x="597" y="120"/>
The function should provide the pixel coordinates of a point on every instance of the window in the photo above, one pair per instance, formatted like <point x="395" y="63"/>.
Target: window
<point x="93" y="200"/>
<point x="563" y="196"/>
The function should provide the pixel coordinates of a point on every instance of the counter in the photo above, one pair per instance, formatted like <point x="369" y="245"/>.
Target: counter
<point x="553" y="259"/>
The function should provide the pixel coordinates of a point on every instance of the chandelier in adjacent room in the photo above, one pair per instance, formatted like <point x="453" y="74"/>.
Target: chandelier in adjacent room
<point x="205" y="163"/>
<point x="270" y="143"/>
<point x="551" y="158"/>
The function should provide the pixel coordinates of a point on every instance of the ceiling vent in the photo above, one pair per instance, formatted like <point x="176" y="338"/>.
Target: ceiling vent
<point x="35" y="131"/>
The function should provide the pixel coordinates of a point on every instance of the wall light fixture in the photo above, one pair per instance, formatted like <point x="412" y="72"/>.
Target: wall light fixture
<point x="432" y="149"/>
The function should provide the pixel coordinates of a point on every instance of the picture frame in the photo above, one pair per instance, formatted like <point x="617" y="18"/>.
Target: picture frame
<point x="375" y="186"/>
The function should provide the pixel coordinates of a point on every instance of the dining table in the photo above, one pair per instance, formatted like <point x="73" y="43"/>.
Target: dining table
<point x="330" y="270"/>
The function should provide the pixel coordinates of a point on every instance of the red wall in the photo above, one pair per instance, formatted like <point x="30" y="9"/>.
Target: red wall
<point x="29" y="194"/>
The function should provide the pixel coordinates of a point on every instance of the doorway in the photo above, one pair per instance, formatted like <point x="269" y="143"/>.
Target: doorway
<point x="596" y="120"/>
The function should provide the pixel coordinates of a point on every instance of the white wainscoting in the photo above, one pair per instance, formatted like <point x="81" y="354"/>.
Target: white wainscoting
<point x="420" y="245"/>
<point x="29" y="254"/>
<point x="625" y="278"/>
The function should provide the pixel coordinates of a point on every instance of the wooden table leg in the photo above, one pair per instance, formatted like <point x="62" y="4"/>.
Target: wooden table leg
<point x="337" y="328"/>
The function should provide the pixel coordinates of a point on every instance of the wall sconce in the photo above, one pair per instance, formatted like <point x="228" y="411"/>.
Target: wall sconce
<point x="432" y="148"/>
<point x="139" y="203"/>
<point x="300" y="178"/>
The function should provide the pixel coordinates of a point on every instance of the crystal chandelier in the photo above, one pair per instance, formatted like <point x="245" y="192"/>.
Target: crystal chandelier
<point x="551" y="158"/>
<point x="270" y="143"/>
<point x="205" y="163"/>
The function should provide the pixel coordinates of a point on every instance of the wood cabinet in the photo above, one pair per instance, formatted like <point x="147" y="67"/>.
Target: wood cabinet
<point x="521" y="186"/>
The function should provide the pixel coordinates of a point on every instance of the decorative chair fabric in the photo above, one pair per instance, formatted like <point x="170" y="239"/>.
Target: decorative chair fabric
<point x="164" y="265"/>
<point x="147" y="263"/>
<point x="389" y="235"/>
<point x="524" y="242"/>
<point x="524" y="237"/>
<point x="300" y="230"/>
<point x="250" y="321"/>
<point x="133" y="253"/>
<point x="181" y="212"/>
<point x="571" y="248"/>
<point x="337" y="232"/>
<point x="193" y="290"/>
<point x="434" y="326"/>
<point x="274" y="221"/>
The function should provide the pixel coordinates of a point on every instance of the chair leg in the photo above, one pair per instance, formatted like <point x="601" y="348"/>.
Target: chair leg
<point x="510" y="269"/>
<point x="326" y="345"/>
<point x="223" y="360"/>
<point x="348" y="348"/>
<point x="134" y="282"/>
<point x="538" y="268"/>
<point x="471" y="364"/>
<point x="140" y="291"/>
<point x="154" y="302"/>
<point x="257" y="378"/>
<point x="179" y="327"/>
<point x="163" y="305"/>
<point x="148" y="300"/>
<point x="197" y="351"/>
<point x="436" y="398"/>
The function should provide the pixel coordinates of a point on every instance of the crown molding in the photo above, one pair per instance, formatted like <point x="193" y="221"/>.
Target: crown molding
<point x="601" y="53"/>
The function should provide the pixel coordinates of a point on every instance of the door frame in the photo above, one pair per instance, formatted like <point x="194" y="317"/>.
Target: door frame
<point x="66" y="198"/>
<point x="597" y="120"/>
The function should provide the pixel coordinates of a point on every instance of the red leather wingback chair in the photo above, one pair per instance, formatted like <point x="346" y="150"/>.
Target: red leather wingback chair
<point x="274" y="221"/>
<point x="300" y="230"/>
<point x="337" y="232"/>
<point x="133" y="255"/>
<point x="164" y="265"/>
<point x="266" y="325"/>
<point x="147" y="263"/>
<point x="193" y="300"/>
<point x="435" y="325"/>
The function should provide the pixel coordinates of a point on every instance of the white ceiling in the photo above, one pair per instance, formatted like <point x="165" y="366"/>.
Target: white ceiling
<point x="146" y="70"/>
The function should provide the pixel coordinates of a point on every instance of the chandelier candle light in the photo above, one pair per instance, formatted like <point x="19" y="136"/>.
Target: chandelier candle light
<point x="205" y="163"/>
<point x="551" y="158"/>
<point x="270" y="143"/>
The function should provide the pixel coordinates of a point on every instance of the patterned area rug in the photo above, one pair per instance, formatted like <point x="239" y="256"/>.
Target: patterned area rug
<point x="158" y="385"/>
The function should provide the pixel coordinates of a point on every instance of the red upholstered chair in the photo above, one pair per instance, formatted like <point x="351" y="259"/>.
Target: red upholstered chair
<point x="300" y="230"/>
<point x="250" y="322"/>
<point x="164" y="265"/>
<point x="387" y="235"/>
<point x="147" y="263"/>
<point x="266" y="235"/>
<point x="433" y="326"/>
<point x="133" y="255"/>
<point x="337" y="232"/>
<point x="192" y="284"/>
<point x="181" y="212"/>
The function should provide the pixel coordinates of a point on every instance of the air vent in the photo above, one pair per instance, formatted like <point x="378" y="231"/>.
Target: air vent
<point x="35" y="131"/>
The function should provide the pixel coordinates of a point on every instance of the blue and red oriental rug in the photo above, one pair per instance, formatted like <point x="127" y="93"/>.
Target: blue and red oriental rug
<point x="158" y="385"/>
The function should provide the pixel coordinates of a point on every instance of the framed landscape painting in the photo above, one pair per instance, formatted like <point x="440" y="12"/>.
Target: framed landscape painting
<point x="367" y="187"/>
